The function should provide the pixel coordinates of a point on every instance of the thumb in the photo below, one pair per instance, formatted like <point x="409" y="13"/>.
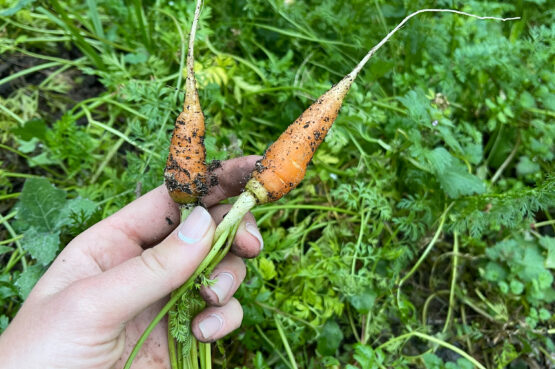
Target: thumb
<point x="126" y="290"/>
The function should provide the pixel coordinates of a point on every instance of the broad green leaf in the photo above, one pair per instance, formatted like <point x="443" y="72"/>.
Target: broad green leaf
<point x="508" y="354"/>
<point x="40" y="205"/>
<point x="464" y="363"/>
<point x="29" y="146"/>
<point x="549" y="344"/>
<point x="453" y="175"/>
<point x="5" y="249"/>
<point x="259" y="362"/>
<point x="42" y="246"/>
<point x="363" y="301"/>
<point x="28" y="279"/>
<point x="323" y="157"/>
<point x="449" y="138"/>
<point x="503" y="250"/>
<point x="549" y="101"/>
<point x="527" y="100"/>
<point x="549" y="244"/>
<point x="474" y="153"/>
<point x="526" y="166"/>
<point x="431" y="361"/>
<point x="457" y="182"/>
<point x="35" y="128"/>
<point x="439" y="159"/>
<point x="416" y="103"/>
<point x="253" y="314"/>
<point x="503" y="286"/>
<point x="516" y="287"/>
<point x="41" y="159"/>
<point x="494" y="272"/>
<point x="377" y="70"/>
<point x="544" y="314"/>
<point x="330" y="362"/>
<point x="545" y="279"/>
<point x="530" y="266"/>
<point x="4" y="320"/>
<point x="212" y="151"/>
<point x="330" y="338"/>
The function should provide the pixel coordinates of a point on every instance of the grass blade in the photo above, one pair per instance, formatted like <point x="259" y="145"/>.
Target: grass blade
<point x="80" y="42"/>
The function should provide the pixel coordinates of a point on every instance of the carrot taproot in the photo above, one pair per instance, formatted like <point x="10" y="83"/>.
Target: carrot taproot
<point x="186" y="173"/>
<point x="284" y="163"/>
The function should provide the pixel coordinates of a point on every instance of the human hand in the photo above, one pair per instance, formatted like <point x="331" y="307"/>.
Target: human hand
<point x="101" y="292"/>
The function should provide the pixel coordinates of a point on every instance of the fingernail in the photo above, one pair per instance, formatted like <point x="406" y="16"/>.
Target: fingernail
<point x="253" y="230"/>
<point x="222" y="285"/>
<point x="211" y="325"/>
<point x="195" y="226"/>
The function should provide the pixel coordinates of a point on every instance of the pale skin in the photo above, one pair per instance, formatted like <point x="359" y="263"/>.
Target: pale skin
<point x="104" y="288"/>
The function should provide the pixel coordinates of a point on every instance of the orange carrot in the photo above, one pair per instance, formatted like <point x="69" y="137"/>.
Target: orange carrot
<point x="186" y="172"/>
<point x="284" y="164"/>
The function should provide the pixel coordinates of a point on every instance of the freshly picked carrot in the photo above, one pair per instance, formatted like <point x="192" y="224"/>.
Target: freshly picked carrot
<point x="284" y="164"/>
<point x="186" y="172"/>
<point x="187" y="180"/>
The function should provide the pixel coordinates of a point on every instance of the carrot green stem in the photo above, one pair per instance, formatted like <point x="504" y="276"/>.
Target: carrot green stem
<point x="205" y="356"/>
<point x="178" y="294"/>
<point x="245" y="202"/>
<point x="181" y="362"/>
<point x="171" y="349"/>
<point x="194" y="353"/>
<point x="185" y="211"/>
<point x="275" y="349"/>
<point x="223" y="252"/>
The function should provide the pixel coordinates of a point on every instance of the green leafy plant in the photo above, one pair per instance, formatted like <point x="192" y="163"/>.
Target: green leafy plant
<point x="422" y="235"/>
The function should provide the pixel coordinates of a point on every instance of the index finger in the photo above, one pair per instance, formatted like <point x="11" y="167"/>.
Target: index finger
<point x="232" y="175"/>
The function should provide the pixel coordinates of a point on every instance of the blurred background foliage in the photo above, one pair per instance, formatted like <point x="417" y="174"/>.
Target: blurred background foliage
<point x="423" y="234"/>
